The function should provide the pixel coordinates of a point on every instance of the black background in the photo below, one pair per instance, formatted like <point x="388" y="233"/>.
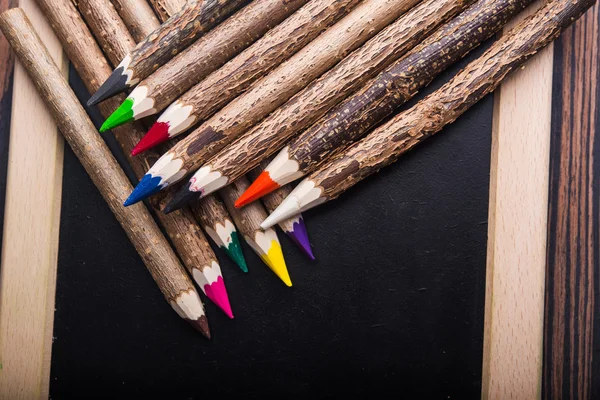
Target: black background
<point x="393" y="304"/>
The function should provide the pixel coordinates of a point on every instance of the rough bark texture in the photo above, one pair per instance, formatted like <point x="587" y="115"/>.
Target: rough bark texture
<point x="95" y="156"/>
<point x="364" y="22"/>
<point x="88" y="60"/>
<point x="166" y="8"/>
<point x="321" y="95"/>
<point x="178" y="32"/>
<point x="388" y="142"/>
<point x="103" y="19"/>
<point x="282" y="42"/>
<point x="248" y="218"/>
<point x="138" y="16"/>
<point x="216" y="48"/>
<point x="210" y="212"/>
<point x="380" y="97"/>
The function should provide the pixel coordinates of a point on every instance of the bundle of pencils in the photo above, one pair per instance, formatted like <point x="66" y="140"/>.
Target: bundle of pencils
<point x="274" y="90"/>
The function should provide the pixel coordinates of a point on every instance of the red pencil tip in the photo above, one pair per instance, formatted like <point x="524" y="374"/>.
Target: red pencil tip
<point x="158" y="133"/>
<point x="261" y="186"/>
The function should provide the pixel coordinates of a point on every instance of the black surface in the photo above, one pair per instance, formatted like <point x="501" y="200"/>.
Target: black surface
<point x="394" y="303"/>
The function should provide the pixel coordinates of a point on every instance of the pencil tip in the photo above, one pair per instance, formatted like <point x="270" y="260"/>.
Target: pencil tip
<point x="201" y="325"/>
<point x="261" y="186"/>
<point x="116" y="83"/>
<point x="217" y="292"/>
<point x="147" y="186"/>
<point x="234" y="251"/>
<point x="158" y="133"/>
<point x="120" y="116"/>
<point x="272" y="255"/>
<point x="181" y="198"/>
<point x="299" y="235"/>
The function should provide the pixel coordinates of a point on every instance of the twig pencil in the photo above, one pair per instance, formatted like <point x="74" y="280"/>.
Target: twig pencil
<point x="362" y="111"/>
<point x="88" y="60"/>
<point x="206" y="55"/>
<point x="294" y="227"/>
<point x="265" y="243"/>
<point x="166" y="8"/>
<point x="268" y="93"/>
<point x="103" y="169"/>
<point x="225" y="84"/>
<point x="177" y="33"/>
<point x="138" y="16"/>
<point x="320" y="96"/>
<point x="217" y="224"/>
<point x="388" y="142"/>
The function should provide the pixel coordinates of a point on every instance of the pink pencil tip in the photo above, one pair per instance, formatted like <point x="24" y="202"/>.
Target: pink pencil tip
<point x="218" y="294"/>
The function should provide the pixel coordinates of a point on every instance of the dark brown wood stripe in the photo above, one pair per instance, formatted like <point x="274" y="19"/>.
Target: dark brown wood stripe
<point x="572" y="314"/>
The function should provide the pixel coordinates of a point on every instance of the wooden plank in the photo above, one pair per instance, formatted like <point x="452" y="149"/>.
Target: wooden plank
<point x="571" y="310"/>
<point x="30" y="237"/>
<point x="514" y="304"/>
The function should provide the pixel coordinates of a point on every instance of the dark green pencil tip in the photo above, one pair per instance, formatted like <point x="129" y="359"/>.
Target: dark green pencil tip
<point x="234" y="251"/>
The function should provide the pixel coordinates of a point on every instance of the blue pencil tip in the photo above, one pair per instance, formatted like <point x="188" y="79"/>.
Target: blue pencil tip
<point x="148" y="186"/>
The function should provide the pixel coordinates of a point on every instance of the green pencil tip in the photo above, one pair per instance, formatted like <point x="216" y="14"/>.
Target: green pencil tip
<point x="122" y="115"/>
<point x="234" y="251"/>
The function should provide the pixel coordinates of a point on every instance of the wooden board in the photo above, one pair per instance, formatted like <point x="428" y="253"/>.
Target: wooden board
<point x="30" y="237"/>
<point x="512" y="355"/>
<point x="572" y="328"/>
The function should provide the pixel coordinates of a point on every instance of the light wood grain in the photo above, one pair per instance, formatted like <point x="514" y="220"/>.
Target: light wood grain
<point x="514" y="305"/>
<point x="32" y="215"/>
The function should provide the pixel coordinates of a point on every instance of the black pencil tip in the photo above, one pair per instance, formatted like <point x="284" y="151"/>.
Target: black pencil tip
<point x="115" y="84"/>
<point x="181" y="198"/>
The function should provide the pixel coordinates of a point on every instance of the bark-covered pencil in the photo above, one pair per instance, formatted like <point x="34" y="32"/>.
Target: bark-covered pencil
<point x="88" y="60"/>
<point x="320" y="96"/>
<point x="138" y="16"/>
<point x="225" y="84"/>
<point x="294" y="227"/>
<point x="218" y="225"/>
<point x="206" y="55"/>
<point x="268" y="93"/>
<point x="265" y="242"/>
<point x="384" y="145"/>
<point x="166" y="8"/>
<point x="381" y="96"/>
<point x="103" y="169"/>
<point x="177" y="33"/>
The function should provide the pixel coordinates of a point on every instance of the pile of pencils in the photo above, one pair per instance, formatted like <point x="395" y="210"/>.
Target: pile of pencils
<point x="224" y="92"/>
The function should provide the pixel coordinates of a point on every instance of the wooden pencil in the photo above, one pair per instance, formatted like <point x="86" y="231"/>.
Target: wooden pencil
<point x="103" y="169"/>
<point x="387" y="143"/>
<point x="218" y="225"/>
<point x="225" y="84"/>
<point x="206" y="55"/>
<point x="138" y="16"/>
<point x="78" y="42"/>
<point x="268" y="93"/>
<point x="265" y="243"/>
<point x="380" y="97"/>
<point x="293" y="227"/>
<point x="166" y="8"/>
<point x="320" y="96"/>
<point x="177" y="33"/>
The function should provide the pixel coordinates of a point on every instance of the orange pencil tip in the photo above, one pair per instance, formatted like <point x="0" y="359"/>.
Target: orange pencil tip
<point x="261" y="186"/>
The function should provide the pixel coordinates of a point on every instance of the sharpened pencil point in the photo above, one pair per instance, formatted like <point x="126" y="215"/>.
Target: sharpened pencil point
<point x="299" y="236"/>
<point x="234" y="251"/>
<point x="274" y="260"/>
<point x="261" y="186"/>
<point x="120" y="116"/>
<point x="158" y="133"/>
<point x="116" y="83"/>
<point x="181" y="198"/>
<point x="201" y="325"/>
<point x="218" y="294"/>
<point x="147" y="187"/>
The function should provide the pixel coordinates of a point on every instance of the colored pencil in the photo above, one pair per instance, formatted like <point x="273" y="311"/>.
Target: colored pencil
<point x="88" y="60"/>
<point x="138" y="16"/>
<point x="177" y="33"/>
<point x="103" y="169"/>
<point x="225" y="84"/>
<point x="379" y="98"/>
<point x="265" y="243"/>
<point x="320" y="96"/>
<point x="293" y="227"/>
<point x="268" y="93"/>
<point x="219" y="226"/>
<point x="206" y="55"/>
<point x="388" y="142"/>
<point x="166" y="8"/>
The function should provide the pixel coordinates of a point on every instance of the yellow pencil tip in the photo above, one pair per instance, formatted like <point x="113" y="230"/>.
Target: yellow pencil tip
<point x="274" y="259"/>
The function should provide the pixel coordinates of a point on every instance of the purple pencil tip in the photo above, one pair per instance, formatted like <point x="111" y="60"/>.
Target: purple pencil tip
<point x="299" y="235"/>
